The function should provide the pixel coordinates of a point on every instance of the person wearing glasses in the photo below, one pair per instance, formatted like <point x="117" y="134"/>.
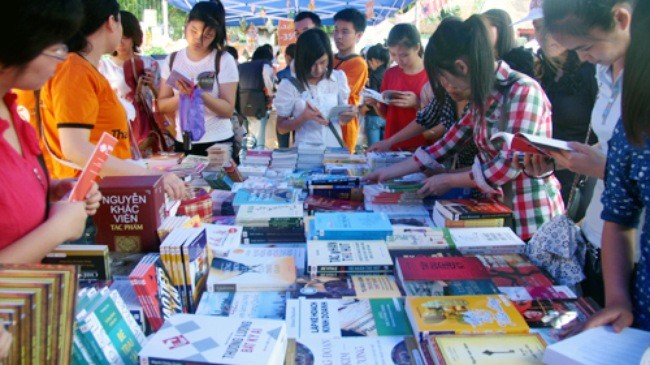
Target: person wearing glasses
<point x="78" y="104"/>
<point x="34" y="218"/>
<point x="206" y="63"/>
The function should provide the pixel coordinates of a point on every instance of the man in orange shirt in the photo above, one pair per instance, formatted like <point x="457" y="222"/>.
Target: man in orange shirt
<point x="349" y="25"/>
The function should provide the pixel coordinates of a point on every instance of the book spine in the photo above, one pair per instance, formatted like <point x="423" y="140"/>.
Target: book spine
<point x="97" y="341"/>
<point x="474" y="223"/>
<point x="163" y="361"/>
<point x="145" y="302"/>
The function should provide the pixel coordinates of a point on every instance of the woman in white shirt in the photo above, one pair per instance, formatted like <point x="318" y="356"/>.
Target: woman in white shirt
<point x="306" y="112"/>
<point x="206" y="63"/>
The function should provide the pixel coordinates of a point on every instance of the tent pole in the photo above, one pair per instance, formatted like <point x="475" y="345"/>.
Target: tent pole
<point x="165" y="17"/>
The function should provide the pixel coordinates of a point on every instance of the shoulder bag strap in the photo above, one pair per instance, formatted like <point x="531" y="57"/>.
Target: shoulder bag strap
<point x="41" y="128"/>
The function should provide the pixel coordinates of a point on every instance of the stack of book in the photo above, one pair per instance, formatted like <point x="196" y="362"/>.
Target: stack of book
<point x="219" y="155"/>
<point x="257" y="158"/>
<point x="222" y="202"/>
<point x="156" y="293"/>
<point x="37" y="308"/>
<point x="92" y="260"/>
<point x="336" y="186"/>
<point x="284" y="158"/>
<point x="222" y="238"/>
<point x="463" y="213"/>
<point x="281" y="223"/>
<point x="185" y="254"/>
<point x="347" y="169"/>
<point x="310" y="156"/>
<point x="265" y="196"/>
<point x="378" y="160"/>
<point x="106" y="332"/>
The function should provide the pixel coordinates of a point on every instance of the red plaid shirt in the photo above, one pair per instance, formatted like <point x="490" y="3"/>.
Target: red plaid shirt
<point x="534" y="201"/>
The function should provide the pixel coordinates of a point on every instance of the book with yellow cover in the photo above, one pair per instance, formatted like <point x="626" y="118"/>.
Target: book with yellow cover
<point x="466" y="314"/>
<point x="512" y="349"/>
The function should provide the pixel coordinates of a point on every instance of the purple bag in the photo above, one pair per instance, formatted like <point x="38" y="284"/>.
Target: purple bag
<point x="191" y="114"/>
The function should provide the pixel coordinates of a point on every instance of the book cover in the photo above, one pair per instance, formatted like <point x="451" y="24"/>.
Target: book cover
<point x="530" y="143"/>
<point x="222" y="238"/>
<point x="261" y="215"/>
<point x="195" y="265"/>
<point x="352" y="225"/>
<point x="331" y="318"/>
<point x="514" y="270"/>
<point x="261" y="252"/>
<point x="91" y="259"/>
<point x="321" y="203"/>
<point x="460" y="209"/>
<point x="440" y="268"/>
<point x="325" y="256"/>
<point x="268" y="305"/>
<point x="420" y="238"/>
<point x="346" y="287"/>
<point x="427" y="288"/>
<point x="471" y="314"/>
<point x="555" y="314"/>
<point x="131" y="210"/>
<point x="486" y="240"/>
<point x="265" y="196"/>
<point x="385" y="350"/>
<point x="513" y="349"/>
<point x="93" y="167"/>
<point x="441" y="221"/>
<point x="192" y="339"/>
<point x="538" y="292"/>
<point x="587" y="348"/>
<point x="247" y="273"/>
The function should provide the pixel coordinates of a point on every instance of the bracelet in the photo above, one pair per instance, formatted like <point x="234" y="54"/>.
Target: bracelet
<point x="544" y="176"/>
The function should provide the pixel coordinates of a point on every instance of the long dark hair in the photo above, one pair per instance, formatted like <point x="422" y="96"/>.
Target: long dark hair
<point x="312" y="45"/>
<point x="406" y="35"/>
<point x="501" y="20"/>
<point x="29" y="27"/>
<point x="467" y="41"/>
<point x="636" y="78"/>
<point x="131" y="29"/>
<point x="578" y="17"/>
<point x="96" y="13"/>
<point x="213" y="15"/>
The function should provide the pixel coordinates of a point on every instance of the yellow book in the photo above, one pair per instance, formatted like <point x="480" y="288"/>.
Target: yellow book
<point x="466" y="314"/>
<point x="513" y="349"/>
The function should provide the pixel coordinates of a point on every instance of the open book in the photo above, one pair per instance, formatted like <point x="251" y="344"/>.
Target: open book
<point x="528" y="143"/>
<point x="383" y="97"/>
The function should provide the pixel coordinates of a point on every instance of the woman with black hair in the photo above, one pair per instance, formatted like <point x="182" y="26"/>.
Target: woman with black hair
<point x="79" y="105"/>
<point x="34" y="219"/>
<point x="407" y="78"/>
<point x="207" y="64"/>
<point x="627" y="192"/>
<point x="502" y="35"/>
<point x="378" y="60"/>
<point x="303" y="103"/>
<point x="501" y="100"/>
<point x="135" y="80"/>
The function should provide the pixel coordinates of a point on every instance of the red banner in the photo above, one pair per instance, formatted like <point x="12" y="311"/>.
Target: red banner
<point x="286" y="33"/>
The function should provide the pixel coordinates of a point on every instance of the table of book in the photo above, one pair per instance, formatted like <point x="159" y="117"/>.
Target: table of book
<point x="298" y="269"/>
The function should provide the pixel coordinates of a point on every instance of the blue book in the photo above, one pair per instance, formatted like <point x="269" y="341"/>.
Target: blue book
<point x="352" y="226"/>
<point x="265" y="196"/>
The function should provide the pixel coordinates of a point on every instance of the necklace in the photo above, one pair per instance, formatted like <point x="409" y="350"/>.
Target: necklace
<point x="616" y="91"/>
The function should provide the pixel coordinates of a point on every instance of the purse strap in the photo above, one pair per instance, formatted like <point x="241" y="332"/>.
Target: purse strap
<point x="577" y="177"/>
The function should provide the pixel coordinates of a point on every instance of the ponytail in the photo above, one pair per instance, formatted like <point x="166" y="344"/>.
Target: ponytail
<point x="96" y="13"/>
<point x="467" y="41"/>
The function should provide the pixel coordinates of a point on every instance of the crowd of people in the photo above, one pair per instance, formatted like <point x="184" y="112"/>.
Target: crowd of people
<point x="76" y="66"/>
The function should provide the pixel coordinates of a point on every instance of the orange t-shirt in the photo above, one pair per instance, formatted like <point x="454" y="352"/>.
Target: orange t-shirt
<point x="78" y="96"/>
<point x="356" y="70"/>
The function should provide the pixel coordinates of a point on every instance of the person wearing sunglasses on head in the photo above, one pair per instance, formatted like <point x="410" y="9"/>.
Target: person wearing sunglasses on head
<point x="34" y="218"/>
<point x="206" y="63"/>
<point x="78" y="104"/>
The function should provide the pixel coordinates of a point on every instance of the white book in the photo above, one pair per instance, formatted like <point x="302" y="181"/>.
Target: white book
<point x="530" y="143"/>
<point x="495" y="240"/>
<point x="217" y="340"/>
<point x="329" y="256"/>
<point x="387" y="350"/>
<point x="600" y="346"/>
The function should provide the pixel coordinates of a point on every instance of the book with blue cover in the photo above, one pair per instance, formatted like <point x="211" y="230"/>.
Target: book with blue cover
<point x="351" y="226"/>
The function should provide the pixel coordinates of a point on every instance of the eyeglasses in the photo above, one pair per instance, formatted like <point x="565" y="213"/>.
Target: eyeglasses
<point x="60" y="52"/>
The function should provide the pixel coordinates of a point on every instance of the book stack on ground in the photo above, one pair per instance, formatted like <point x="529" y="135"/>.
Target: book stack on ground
<point x="37" y="308"/>
<point x="185" y="254"/>
<point x="378" y="160"/>
<point x="281" y="223"/>
<point x="284" y="158"/>
<point x="465" y="213"/>
<point x="199" y="339"/>
<point x="219" y="155"/>
<point x="155" y="291"/>
<point x="310" y="156"/>
<point x="106" y="332"/>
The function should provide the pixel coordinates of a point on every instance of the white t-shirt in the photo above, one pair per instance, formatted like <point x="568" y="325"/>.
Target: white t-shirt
<point x="326" y="94"/>
<point x="115" y="76"/>
<point x="604" y="116"/>
<point x="216" y="128"/>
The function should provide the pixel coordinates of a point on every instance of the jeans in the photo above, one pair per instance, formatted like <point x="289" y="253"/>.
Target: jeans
<point x="374" y="129"/>
<point x="257" y="128"/>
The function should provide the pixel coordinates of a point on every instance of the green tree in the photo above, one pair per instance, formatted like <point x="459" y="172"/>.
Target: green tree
<point x="176" y="16"/>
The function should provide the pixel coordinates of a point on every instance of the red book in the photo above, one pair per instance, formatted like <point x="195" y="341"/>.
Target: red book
<point x="131" y="211"/>
<point x="514" y="270"/>
<point x="93" y="166"/>
<point x="315" y="202"/>
<point x="460" y="209"/>
<point x="440" y="268"/>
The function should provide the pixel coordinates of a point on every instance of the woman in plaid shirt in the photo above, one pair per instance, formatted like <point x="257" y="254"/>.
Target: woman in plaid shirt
<point x="462" y="55"/>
